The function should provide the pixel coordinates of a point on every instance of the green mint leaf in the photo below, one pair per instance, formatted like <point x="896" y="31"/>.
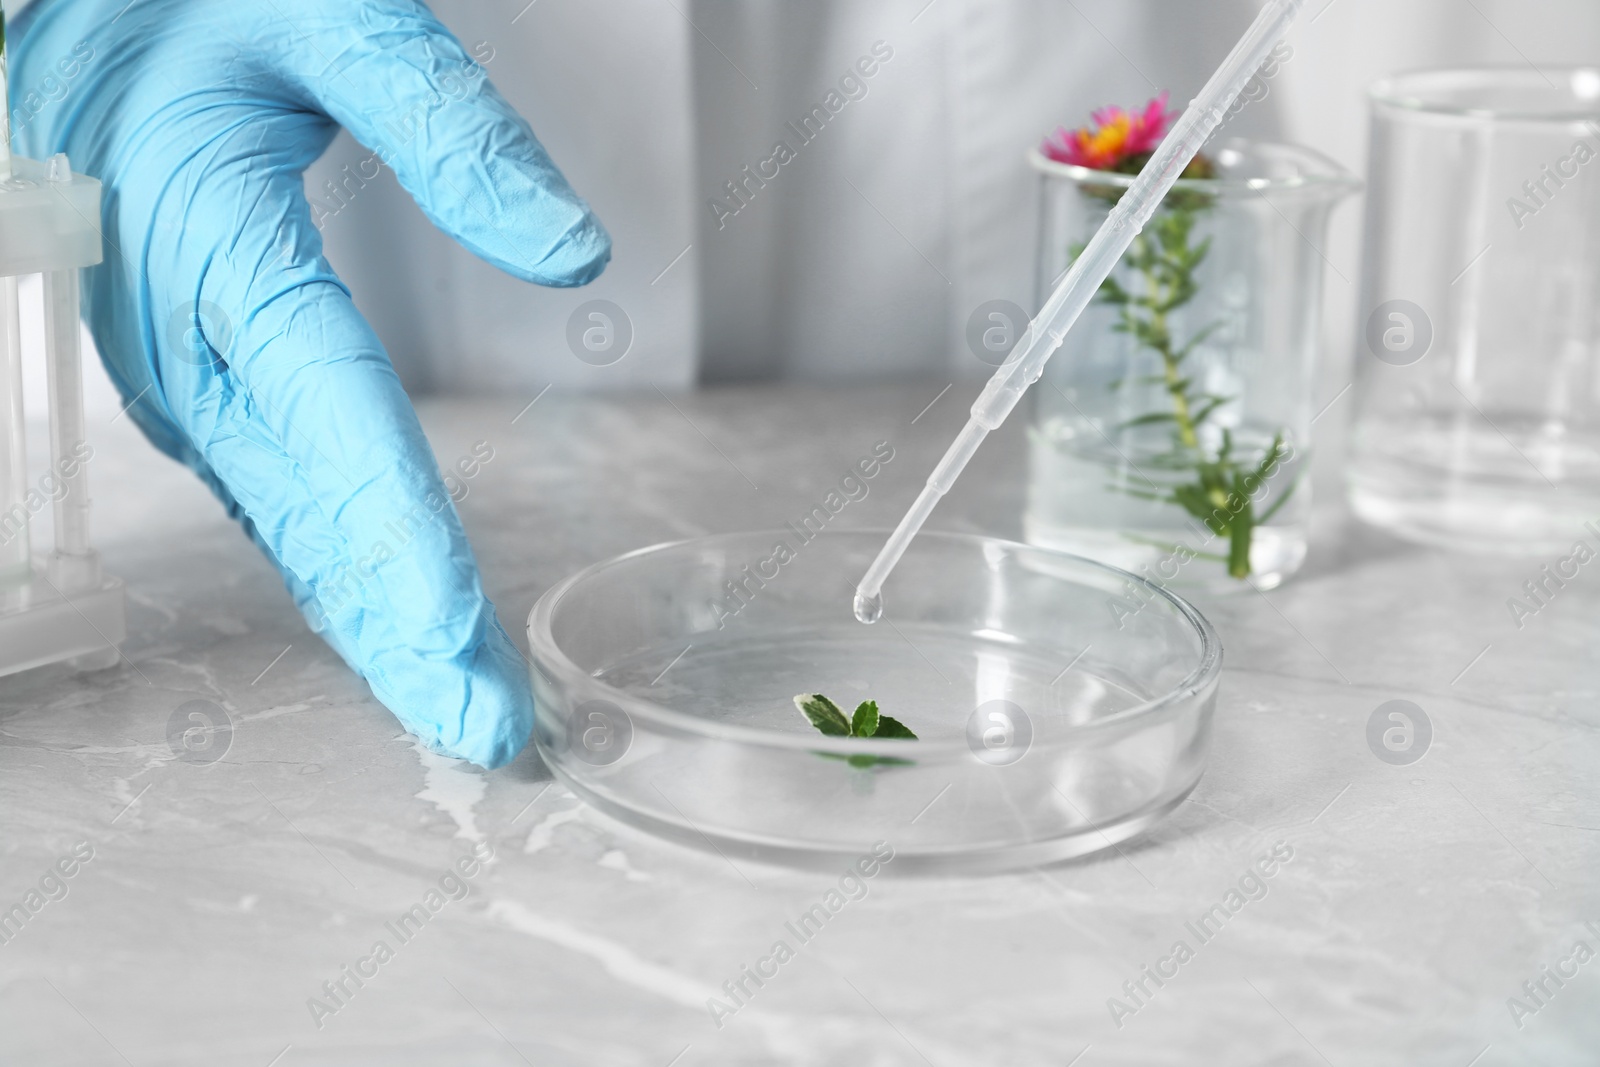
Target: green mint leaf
<point x="890" y="727"/>
<point x="823" y="713"/>
<point x="865" y="723"/>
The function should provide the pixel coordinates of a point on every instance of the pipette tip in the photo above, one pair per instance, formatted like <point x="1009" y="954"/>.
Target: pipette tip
<point x="869" y="609"/>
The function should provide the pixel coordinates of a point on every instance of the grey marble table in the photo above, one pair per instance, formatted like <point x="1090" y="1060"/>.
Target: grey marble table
<point x="218" y="899"/>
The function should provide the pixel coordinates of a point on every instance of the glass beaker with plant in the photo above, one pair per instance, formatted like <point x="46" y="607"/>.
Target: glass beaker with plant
<point x="1172" y="434"/>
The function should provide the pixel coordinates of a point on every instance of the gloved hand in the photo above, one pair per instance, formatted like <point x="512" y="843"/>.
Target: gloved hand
<point x="237" y="346"/>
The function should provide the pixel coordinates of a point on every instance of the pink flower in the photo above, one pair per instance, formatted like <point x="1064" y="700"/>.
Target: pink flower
<point x="1114" y="136"/>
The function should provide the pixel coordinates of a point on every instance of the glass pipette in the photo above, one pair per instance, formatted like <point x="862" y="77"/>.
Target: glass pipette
<point x="1044" y="335"/>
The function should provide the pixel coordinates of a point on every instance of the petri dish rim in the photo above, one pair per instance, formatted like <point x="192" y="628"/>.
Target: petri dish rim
<point x="548" y="656"/>
<point x="1417" y="92"/>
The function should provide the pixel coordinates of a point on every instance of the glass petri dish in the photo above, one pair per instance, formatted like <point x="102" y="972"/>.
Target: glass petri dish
<point x="1061" y="705"/>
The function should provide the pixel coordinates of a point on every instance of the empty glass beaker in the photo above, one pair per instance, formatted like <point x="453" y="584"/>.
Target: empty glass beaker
<point x="1477" y="398"/>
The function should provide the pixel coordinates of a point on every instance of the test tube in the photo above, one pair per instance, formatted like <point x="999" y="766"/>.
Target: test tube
<point x="14" y="549"/>
<point x="73" y="564"/>
<point x="67" y="437"/>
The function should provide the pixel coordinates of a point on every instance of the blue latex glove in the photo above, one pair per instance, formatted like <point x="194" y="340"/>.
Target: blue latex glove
<point x="200" y="117"/>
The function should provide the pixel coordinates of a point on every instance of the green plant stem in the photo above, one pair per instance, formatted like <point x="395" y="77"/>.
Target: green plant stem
<point x="1166" y="259"/>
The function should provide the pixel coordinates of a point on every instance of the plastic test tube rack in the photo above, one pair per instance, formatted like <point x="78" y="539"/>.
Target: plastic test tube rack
<point x="55" y="607"/>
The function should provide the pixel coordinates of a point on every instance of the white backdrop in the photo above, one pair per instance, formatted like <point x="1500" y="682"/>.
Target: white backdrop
<point x="606" y="87"/>
<point x="914" y="205"/>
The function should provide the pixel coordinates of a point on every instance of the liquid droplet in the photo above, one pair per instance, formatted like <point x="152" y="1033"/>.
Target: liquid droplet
<point x="869" y="609"/>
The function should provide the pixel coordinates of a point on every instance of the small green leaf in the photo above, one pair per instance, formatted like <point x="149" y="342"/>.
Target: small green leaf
<point x="1199" y="338"/>
<point x="890" y="727"/>
<point x="1204" y="411"/>
<point x="1147" y="420"/>
<point x="824" y="714"/>
<point x="862" y="760"/>
<point x="1283" y="498"/>
<point x="1112" y="292"/>
<point x="1271" y="458"/>
<point x="865" y="723"/>
<point x="879" y="761"/>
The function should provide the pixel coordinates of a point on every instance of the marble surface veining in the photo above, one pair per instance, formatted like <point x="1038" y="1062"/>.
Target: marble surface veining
<point x="218" y="898"/>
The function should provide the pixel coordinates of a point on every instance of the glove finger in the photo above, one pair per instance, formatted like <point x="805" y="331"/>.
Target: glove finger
<point x="390" y="73"/>
<point x="319" y="446"/>
<point x="287" y="394"/>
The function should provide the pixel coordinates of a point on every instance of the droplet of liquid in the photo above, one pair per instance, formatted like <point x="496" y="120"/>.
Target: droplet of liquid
<point x="869" y="609"/>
